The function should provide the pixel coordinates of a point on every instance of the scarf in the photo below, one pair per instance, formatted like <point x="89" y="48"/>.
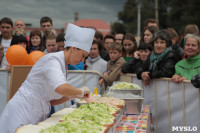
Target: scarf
<point x="155" y="59"/>
<point x="93" y="60"/>
<point x="34" y="48"/>
<point x="113" y="62"/>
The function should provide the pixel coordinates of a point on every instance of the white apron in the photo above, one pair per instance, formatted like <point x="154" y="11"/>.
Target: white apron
<point x="31" y="103"/>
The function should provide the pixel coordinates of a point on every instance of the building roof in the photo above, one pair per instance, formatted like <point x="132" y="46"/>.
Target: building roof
<point x="97" y="23"/>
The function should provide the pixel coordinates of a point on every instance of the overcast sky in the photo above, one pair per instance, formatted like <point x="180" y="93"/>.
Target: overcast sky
<point x="61" y="11"/>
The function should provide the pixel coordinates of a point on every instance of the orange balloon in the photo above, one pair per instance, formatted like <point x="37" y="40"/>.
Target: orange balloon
<point x="33" y="57"/>
<point x="16" y="55"/>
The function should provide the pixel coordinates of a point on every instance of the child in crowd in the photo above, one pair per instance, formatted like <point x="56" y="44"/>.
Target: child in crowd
<point x="114" y="65"/>
<point x="107" y="40"/>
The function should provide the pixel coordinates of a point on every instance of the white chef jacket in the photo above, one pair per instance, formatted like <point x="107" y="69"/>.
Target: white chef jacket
<point x="31" y="103"/>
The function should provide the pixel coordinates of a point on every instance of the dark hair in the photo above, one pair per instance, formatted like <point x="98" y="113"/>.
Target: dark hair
<point x="99" y="44"/>
<point x="130" y="37"/>
<point x="144" y="46"/>
<point x="60" y="37"/>
<point x="163" y="35"/>
<point x="109" y="36"/>
<point x="191" y="29"/>
<point x="152" y="29"/>
<point x="7" y="21"/>
<point x="45" y="19"/>
<point x="37" y="33"/>
<point x="20" y="39"/>
<point x="98" y="35"/>
<point x="172" y="33"/>
<point x="150" y="20"/>
<point x="123" y="32"/>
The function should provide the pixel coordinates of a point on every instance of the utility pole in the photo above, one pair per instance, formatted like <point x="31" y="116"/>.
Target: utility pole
<point x="138" y="21"/>
<point x="156" y="11"/>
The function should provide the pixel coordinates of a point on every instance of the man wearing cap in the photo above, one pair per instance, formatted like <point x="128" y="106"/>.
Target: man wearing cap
<point x="46" y="83"/>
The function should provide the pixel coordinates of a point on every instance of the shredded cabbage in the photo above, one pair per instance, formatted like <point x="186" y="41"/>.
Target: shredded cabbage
<point x="125" y="86"/>
<point x="88" y="118"/>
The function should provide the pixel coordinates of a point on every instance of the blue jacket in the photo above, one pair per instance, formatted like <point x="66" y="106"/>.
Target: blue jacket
<point x="79" y="66"/>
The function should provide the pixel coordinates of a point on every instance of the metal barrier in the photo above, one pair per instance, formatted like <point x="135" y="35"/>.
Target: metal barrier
<point x="173" y="105"/>
<point x="76" y="78"/>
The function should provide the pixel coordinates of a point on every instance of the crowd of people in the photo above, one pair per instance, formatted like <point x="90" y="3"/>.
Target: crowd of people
<point x="160" y="53"/>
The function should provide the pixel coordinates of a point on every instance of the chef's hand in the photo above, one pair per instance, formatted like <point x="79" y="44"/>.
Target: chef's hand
<point x="86" y="92"/>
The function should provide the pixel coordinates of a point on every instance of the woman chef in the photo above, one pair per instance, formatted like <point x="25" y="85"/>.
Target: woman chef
<point x="46" y="83"/>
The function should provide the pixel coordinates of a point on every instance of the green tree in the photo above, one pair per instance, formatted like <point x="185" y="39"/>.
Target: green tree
<point x="182" y="13"/>
<point x="172" y="13"/>
<point x="118" y="27"/>
<point x="129" y="16"/>
<point x="147" y="11"/>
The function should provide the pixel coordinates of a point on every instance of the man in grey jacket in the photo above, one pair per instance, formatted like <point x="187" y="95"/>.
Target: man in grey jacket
<point x="94" y="61"/>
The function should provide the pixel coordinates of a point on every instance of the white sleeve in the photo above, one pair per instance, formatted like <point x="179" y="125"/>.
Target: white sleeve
<point x="54" y="74"/>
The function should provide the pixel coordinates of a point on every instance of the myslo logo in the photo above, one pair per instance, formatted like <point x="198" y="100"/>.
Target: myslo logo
<point x="184" y="128"/>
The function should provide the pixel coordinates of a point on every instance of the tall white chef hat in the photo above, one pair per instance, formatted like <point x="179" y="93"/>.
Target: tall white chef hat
<point x="79" y="37"/>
